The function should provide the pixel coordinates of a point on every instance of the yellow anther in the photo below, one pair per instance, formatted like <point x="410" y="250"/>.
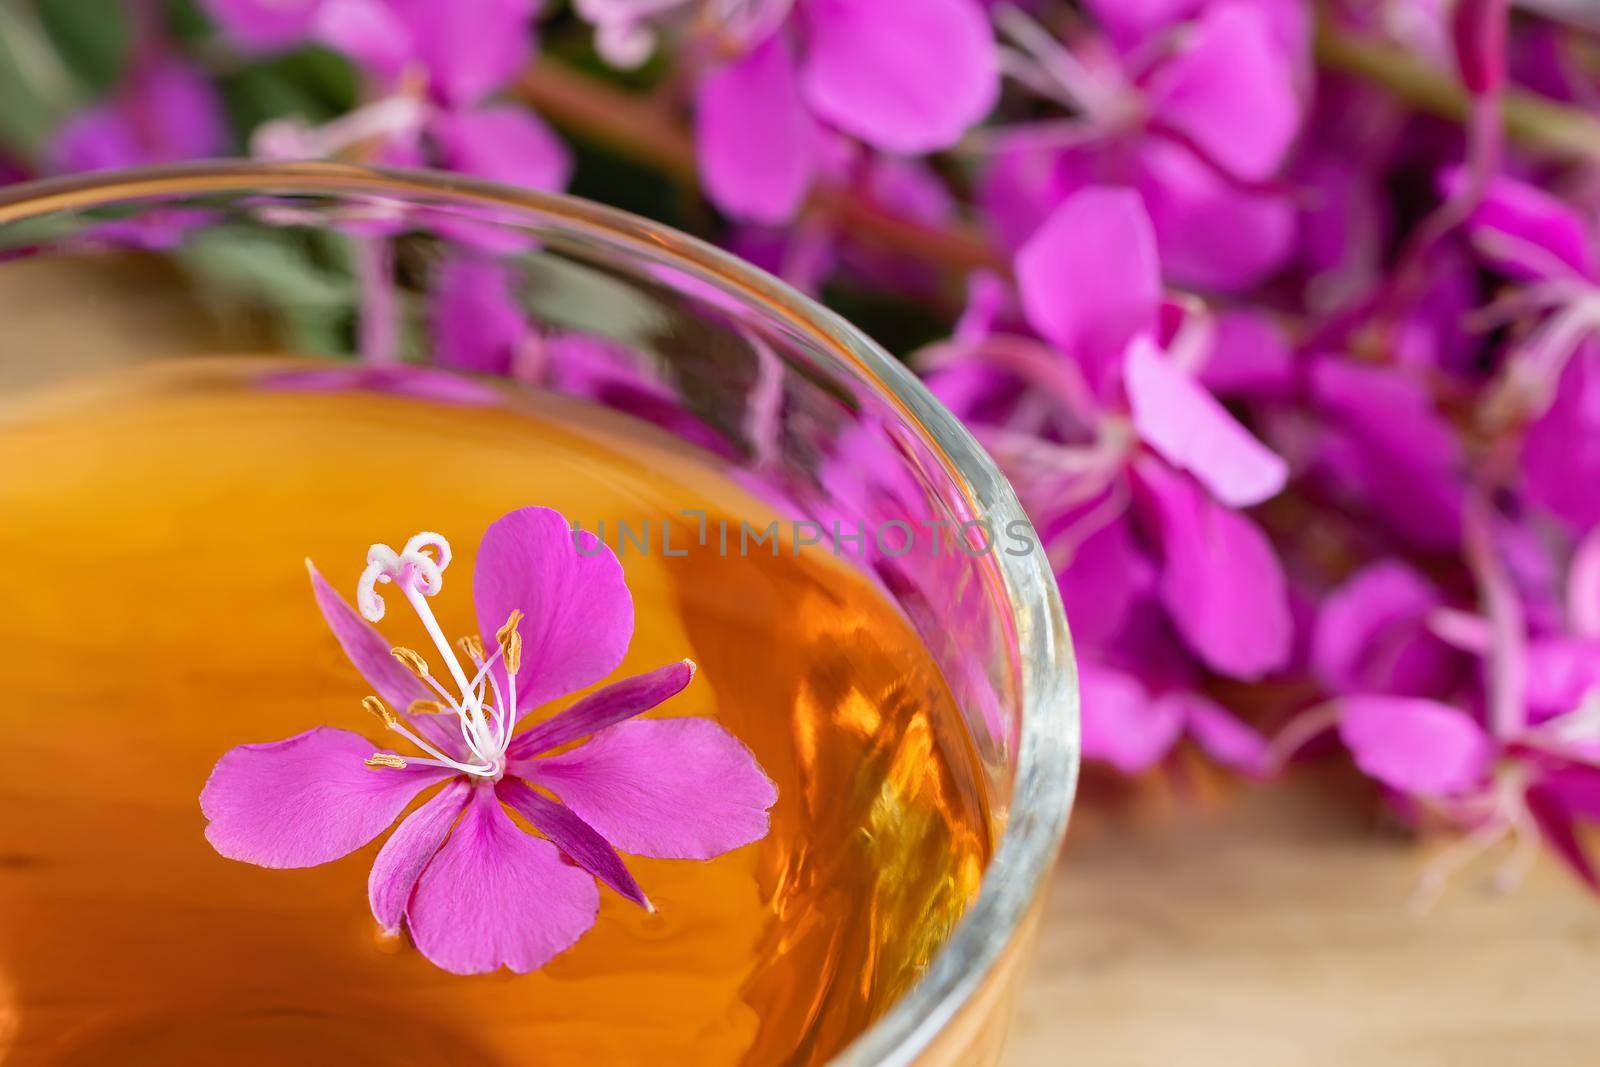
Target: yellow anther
<point x="473" y="646"/>
<point x="385" y="759"/>
<point x="511" y="640"/>
<point x="410" y="660"/>
<point x="425" y="707"/>
<point x="510" y="624"/>
<point x="381" y="710"/>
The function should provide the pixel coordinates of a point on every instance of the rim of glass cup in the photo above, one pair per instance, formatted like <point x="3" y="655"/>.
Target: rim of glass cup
<point x="1047" y="756"/>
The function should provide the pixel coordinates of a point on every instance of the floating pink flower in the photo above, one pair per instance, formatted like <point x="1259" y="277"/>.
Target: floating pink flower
<point x="475" y="891"/>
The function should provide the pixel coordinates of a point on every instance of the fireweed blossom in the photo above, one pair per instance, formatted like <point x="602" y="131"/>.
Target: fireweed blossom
<point x="1135" y="476"/>
<point x="1197" y="103"/>
<point x="1551" y="378"/>
<point x="475" y="891"/>
<point x="1508" y="753"/>
<point x="777" y="80"/>
<point x="163" y="111"/>
<point x="432" y="69"/>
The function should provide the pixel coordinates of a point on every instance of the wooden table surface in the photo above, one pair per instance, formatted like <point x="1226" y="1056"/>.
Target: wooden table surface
<point x="1276" y="930"/>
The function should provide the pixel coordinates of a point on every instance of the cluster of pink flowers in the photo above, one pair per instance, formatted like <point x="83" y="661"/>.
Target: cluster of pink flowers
<point x="1297" y="378"/>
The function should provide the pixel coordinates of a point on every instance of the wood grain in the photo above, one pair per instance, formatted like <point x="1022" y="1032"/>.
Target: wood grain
<point x="1277" y="931"/>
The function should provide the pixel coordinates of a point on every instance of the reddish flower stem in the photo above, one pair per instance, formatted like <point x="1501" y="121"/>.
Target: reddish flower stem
<point x="1536" y="122"/>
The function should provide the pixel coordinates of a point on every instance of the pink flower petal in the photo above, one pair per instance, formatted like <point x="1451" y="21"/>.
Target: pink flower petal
<point x="605" y="707"/>
<point x="1090" y="279"/>
<point x="1555" y="824"/>
<point x="401" y="860"/>
<point x="1232" y="91"/>
<point x="1561" y="452"/>
<point x="578" y="614"/>
<point x="1403" y="458"/>
<point x="477" y="325"/>
<point x="366" y="647"/>
<point x="1420" y="747"/>
<point x="1188" y="427"/>
<point x="1576" y="789"/>
<point x="97" y="138"/>
<point x="906" y="76"/>
<point x="1371" y="634"/>
<point x="1210" y="233"/>
<point x="305" y="800"/>
<point x="166" y="112"/>
<point x="1220" y="581"/>
<point x="757" y="145"/>
<point x="1528" y="233"/>
<point x="1224" y="738"/>
<point x="503" y="143"/>
<point x="176" y="110"/>
<point x="263" y="24"/>
<point x="369" y="32"/>
<point x="1131" y="21"/>
<point x="670" y="788"/>
<point x="1583" y="587"/>
<point x="494" y="896"/>
<point x="1022" y="184"/>
<point x="469" y="47"/>
<point x="1108" y="574"/>
<point x="1121" y="725"/>
<point x="579" y="841"/>
<point x="420" y="383"/>
<point x="1562" y="671"/>
<point x="1252" y="357"/>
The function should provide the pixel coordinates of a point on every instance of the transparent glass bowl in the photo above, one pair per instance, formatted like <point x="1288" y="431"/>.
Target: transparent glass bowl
<point x="338" y="260"/>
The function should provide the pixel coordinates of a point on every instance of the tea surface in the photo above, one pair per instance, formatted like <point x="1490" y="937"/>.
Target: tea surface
<point x="156" y="613"/>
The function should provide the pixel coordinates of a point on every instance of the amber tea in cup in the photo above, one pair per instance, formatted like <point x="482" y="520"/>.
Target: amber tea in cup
<point x="209" y="378"/>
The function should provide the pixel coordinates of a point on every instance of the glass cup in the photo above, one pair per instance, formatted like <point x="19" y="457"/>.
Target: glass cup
<point x="328" y="259"/>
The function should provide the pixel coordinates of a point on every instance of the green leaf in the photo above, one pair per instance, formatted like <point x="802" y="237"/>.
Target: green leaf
<point x="91" y="36"/>
<point x="275" y="274"/>
<point x="266" y="267"/>
<point x="312" y="84"/>
<point x="36" y="90"/>
<point x="185" y="21"/>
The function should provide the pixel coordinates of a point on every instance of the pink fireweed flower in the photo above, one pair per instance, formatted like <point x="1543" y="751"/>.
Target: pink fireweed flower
<point x="475" y="891"/>
<point x="1136" y="478"/>
<point x="1128" y="465"/>
<point x="432" y="71"/>
<point x="1514" y="759"/>
<point x="1551" y="378"/>
<point x="1198" y="104"/>
<point x="776" y="78"/>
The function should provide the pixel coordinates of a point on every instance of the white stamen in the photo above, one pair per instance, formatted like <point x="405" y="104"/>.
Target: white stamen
<point x="1053" y="65"/>
<point x="418" y="571"/>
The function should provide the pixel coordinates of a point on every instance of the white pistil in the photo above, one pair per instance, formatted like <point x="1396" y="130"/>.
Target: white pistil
<point x="418" y="571"/>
